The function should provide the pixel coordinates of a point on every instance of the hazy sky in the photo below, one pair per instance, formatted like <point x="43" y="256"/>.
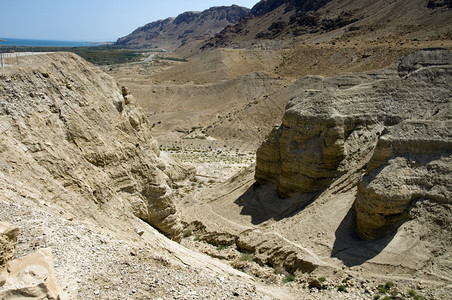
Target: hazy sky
<point x="91" y="20"/>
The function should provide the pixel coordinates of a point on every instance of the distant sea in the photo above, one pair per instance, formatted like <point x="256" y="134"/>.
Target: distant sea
<point x="44" y="43"/>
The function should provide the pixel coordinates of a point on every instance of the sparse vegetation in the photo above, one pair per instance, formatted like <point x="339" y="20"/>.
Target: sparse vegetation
<point x="247" y="257"/>
<point x="171" y="58"/>
<point x="413" y="294"/>
<point x="342" y="288"/>
<point x="289" y="278"/>
<point x="187" y="233"/>
<point x="383" y="289"/>
<point x="322" y="279"/>
<point x="221" y="247"/>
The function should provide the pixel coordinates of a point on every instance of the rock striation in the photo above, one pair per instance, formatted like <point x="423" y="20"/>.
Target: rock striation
<point x="282" y="23"/>
<point x="411" y="162"/>
<point x="395" y="121"/>
<point x="72" y="136"/>
<point x="188" y="27"/>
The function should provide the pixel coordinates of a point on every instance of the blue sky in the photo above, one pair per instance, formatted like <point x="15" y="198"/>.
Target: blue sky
<point x="91" y="20"/>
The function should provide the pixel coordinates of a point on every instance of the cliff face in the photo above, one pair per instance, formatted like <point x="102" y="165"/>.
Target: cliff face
<point x="185" y="28"/>
<point x="281" y="23"/>
<point x="72" y="136"/>
<point x="411" y="163"/>
<point x="397" y="122"/>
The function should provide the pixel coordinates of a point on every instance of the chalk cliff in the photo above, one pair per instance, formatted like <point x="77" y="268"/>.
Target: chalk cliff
<point x="70" y="132"/>
<point x="395" y="121"/>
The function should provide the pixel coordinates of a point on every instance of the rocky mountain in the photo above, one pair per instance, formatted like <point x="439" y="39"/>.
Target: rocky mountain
<point x="356" y="178"/>
<point x="280" y="23"/>
<point x="172" y="33"/>
<point x="83" y="188"/>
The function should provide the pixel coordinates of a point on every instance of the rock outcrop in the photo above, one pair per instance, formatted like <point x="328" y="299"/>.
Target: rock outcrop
<point x="185" y="28"/>
<point x="70" y="132"/>
<point x="8" y="239"/>
<point x="412" y="162"/>
<point x="281" y="23"/>
<point x="30" y="277"/>
<point x="397" y="121"/>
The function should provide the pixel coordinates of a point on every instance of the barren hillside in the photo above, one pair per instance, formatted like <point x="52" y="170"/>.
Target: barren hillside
<point x="81" y="175"/>
<point x="283" y="23"/>
<point x="303" y="153"/>
<point x="188" y="27"/>
<point x="308" y="208"/>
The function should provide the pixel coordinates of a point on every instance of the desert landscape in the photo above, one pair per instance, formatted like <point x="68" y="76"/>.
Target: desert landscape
<point x="294" y="150"/>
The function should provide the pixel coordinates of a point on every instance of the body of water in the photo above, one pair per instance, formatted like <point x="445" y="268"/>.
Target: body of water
<point x="44" y="43"/>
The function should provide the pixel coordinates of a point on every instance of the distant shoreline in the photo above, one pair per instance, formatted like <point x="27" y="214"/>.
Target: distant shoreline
<point x="48" y="43"/>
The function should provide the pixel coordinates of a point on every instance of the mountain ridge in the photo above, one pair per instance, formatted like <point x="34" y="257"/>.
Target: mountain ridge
<point x="190" y="26"/>
<point x="280" y="24"/>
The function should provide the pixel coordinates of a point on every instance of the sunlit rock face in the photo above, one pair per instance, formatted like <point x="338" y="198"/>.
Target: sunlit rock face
<point x="393" y="125"/>
<point x="70" y="132"/>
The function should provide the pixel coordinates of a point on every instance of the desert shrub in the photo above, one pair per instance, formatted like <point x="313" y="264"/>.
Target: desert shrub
<point x="382" y="289"/>
<point x="322" y="279"/>
<point x="414" y="295"/>
<point x="247" y="257"/>
<point x="187" y="233"/>
<point x="289" y="278"/>
<point x="341" y="288"/>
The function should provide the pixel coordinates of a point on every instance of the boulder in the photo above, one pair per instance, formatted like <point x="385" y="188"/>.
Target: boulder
<point x="30" y="277"/>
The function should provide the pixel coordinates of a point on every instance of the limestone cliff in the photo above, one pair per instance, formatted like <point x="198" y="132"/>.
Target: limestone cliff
<point x="396" y="120"/>
<point x="71" y="136"/>
<point x="412" y="162"/>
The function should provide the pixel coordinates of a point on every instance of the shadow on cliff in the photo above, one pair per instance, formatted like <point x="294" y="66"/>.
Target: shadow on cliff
<point x="262" y="202"/>
<point x="350" y="248"/>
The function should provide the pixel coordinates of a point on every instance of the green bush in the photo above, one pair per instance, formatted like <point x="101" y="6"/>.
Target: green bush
<point x="221" y="247"/>
<point x="187" y="233"/>
<point x="382" y="289"/>
<point x="289" y="278"/>
<point x="342" y="288"/>
<point x="414" y="295"/>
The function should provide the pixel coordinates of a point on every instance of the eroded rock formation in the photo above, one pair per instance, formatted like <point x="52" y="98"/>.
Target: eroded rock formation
<point x="412" y="162"/>
<point x="30" y="277"/>
<point x="8" y="239"/>
<point x="69" y="131"/>
<point x="396" y="120"/>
